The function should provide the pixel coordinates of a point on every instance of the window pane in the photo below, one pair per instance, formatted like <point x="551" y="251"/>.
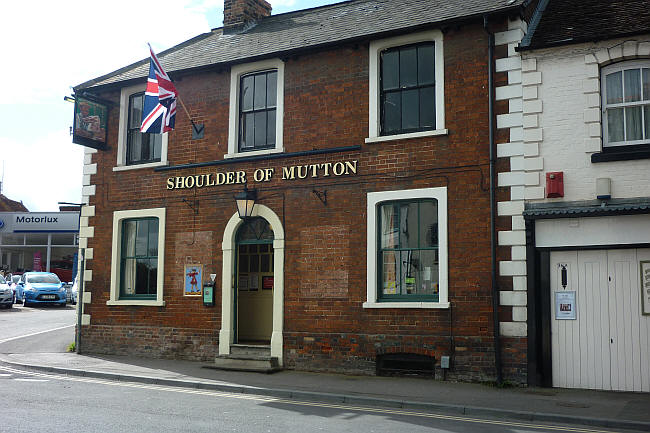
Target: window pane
<point x="260" y="128"/>
<point x="135" y="117"/>
<point x="128" y="277"/>
<point x="153" y="276"/>
<point x="243" y="262"/>
<point x="146" y="150"/>
<point x="142" y="276"/>
<point x="271" y="89"/>
<point x="389" y="226"/>
<point x="390" y="70"/>
<point x="614" y="86"/>
<point x="128" y="238"/>
<point x="260" y="92"/>
<point x="142" y="233"/>
<point x="247" y="83"/>
<point x="427" y="107"/>
<point x="429" y="224"/>
<point x="426" y="65"/>
<point x="392" y="112"/>
<point x="389" y="273"/>
<point x="265" y="265"/>
<point x="157" y="145"/>
<point x="412" y="275"/>
<point x="153" y="238"/>
<point x="254" y="264"/>
<point x="270" y="127"/>
<point x="646" y="116"/>
<point x="248" y="131"/>
<point x="646" y="84"/>
<point x="632" y="85"/>
<point x="633" y="126"/>
<point x="427" y="273"/>
<point x="408" y="225"/>
<point x="615" y="125"/>
<point x="135" y="145"/>
<point x="410" y="109"/>
<point x="408" y="67"/>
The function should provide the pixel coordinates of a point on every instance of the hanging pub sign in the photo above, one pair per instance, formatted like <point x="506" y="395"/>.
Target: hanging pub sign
<point x="90" y="120"/>
<point x="645" y="287"/>
<point x="565" y="305"/>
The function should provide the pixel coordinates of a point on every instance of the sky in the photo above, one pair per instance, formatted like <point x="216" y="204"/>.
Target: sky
<point x="48" y="47"/>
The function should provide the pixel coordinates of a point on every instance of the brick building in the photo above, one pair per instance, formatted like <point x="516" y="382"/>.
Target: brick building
<point x="366" y="136"/>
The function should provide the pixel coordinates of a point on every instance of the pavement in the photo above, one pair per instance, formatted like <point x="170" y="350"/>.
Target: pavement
<point x="613" y="410"/>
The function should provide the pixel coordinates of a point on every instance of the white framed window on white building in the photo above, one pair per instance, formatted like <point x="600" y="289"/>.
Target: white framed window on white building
<point x="625" y="90"/>
<point x="407" y="251"/>
<point x="406" y="85"/>
<point x="134" y="148"/>
<point x="138" y="257"/>
<point x="256" y="109"/>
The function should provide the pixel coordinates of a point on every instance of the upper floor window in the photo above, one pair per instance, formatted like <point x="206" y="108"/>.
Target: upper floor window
<point x="134" y="149"/>
<point x="257" y="110"/>
<point x="406" y="85"/>
<point x="141" y="147"/>
<point x="408" y="102"/>
<point x="626" y="103"/>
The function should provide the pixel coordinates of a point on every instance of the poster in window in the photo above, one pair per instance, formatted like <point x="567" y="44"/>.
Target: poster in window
<point x="242" y="283"/>
<point x="193" y="280"/>
<point x="89" y="126"/>
<point x="267" y="283"/>
<point x="565" y="305"/>
<point x="253" y="282"/>
<point x="645" y="287"/>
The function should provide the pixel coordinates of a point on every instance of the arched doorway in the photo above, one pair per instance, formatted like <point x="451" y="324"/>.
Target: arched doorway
<point x="254" y="282"/>
<point x="227" y="334"/>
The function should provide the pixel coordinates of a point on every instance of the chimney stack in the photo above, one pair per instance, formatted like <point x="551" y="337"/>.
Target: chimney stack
<point x="237" y="14"/>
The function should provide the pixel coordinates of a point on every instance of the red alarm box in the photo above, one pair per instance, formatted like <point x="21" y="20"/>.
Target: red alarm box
<point x="555" y="184"/>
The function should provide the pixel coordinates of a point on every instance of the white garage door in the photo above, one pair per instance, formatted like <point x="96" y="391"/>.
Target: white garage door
<point x="607" y="344"/>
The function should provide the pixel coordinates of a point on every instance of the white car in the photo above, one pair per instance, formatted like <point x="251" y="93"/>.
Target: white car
<point x="6" y="294"/>
<point x="74" y="292"/>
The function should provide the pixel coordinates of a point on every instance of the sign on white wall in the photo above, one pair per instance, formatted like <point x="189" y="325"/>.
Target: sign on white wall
<point x="565" y="305"/>
<point x="26" y="222"/>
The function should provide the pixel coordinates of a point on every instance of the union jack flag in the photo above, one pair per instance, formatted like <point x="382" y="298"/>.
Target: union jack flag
<point x="159" y="111"/>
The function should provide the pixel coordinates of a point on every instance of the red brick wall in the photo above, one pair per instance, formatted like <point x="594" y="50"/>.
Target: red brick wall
<point x="325" y="326"/>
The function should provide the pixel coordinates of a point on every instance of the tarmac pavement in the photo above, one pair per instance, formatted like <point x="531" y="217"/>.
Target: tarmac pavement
<point x="614" y="410"/>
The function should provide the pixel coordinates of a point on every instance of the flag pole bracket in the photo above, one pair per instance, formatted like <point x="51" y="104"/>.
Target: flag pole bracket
<point x="197" y="130"/>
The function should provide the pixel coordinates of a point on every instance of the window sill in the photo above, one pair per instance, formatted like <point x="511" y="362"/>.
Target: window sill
<point x="427" y="305"/>
<point x="420" y="134"/>
<point x="253" y="153"/>
<point x="610" y="156"/>
<point x="140" y="302"/>
<point x="136" y="166"/>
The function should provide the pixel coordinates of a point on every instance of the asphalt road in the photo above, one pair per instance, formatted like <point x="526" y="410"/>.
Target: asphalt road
<point x="36" y="329"/>
<point x="44" y="402"/>
<point x="50" y="403"/>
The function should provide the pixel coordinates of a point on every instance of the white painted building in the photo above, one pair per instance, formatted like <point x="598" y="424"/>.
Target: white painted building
<point x="579" y="182"/>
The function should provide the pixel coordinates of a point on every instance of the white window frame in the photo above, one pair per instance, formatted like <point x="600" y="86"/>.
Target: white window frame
<point x="374" y="200"/>
<point x="236" y="73"/>
<point x="376" y="47"/>
<point x="613" y="68"/>
<point x="116" y="258"/>
<point x="122" y="134"/>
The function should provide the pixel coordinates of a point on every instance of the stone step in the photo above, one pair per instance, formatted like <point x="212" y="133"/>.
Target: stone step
<point x="249" y="349"/>
<point x="238" y="363"/>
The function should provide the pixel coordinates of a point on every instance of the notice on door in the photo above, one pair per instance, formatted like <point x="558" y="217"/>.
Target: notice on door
<point x="565" y="305"/>
<point x="645" y="287"/>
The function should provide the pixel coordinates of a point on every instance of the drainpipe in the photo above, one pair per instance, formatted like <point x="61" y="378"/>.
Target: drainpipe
<point x="493" y="240"/>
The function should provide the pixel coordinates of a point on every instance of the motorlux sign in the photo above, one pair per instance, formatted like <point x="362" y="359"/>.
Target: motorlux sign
<point x="26" y="222"/>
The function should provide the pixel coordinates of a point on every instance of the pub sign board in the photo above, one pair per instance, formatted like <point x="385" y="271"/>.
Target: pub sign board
<point x="90" y="120"/>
